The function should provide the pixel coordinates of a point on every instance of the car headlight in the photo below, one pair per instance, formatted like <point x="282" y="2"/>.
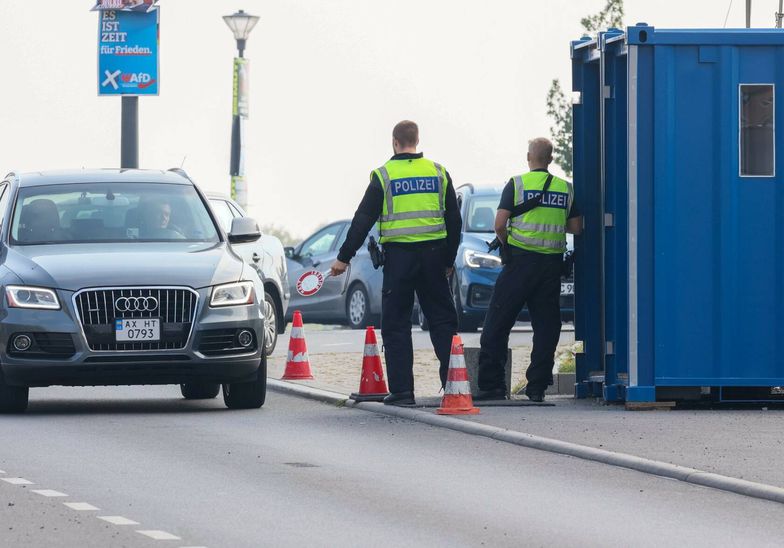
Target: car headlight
<point x="477" y="259"/>
<point x="20" y="296"/>
<point x="234" y="294"/>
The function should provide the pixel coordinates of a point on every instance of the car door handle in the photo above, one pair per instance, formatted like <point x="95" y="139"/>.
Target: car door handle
<point x="315" y="263"/>
<point x="256" y="257"/>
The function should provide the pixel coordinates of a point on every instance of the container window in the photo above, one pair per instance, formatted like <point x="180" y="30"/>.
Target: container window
<point x="757" y="131"/>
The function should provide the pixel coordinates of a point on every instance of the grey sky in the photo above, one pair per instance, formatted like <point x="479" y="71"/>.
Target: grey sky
<point x="329" y="79"/>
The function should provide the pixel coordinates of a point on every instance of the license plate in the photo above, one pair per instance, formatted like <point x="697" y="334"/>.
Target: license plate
<point x="567" y="288"/>
<point x="137" y="329"/>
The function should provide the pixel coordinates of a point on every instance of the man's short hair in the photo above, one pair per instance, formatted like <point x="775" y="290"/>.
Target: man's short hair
<point x="541" y="150"/>
<point x="406" y="133"/>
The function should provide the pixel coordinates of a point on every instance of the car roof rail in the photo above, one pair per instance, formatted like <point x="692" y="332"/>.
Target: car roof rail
<point x="179" y="171"/>
<point x="467" y="185"/>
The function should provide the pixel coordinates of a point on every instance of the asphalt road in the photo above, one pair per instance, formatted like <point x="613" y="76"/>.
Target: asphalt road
<point x="301" y="473"/>
<point x="334" y="338"/>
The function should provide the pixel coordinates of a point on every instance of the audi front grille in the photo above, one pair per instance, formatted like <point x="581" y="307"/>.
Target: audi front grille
<point x="98" y="309"/>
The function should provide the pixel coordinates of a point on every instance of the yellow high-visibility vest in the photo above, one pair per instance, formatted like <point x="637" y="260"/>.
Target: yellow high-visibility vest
<point x="414" y="194"/>
<point x="543" y="229"/>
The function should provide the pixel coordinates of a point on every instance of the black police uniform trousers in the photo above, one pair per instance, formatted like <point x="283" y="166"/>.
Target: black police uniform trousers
<point x="532" y="279"/>
<point x="415" y="268"/>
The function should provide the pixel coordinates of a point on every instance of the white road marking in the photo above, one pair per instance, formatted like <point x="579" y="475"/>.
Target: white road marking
<point x="49" y="493"/>
<point x="17" y="481"/>
<point x="159" y="535"/>
<point x="118" y="520"/>
<point x="80" y="506"/>
<point x="86" y="506"/>
<point x="339" y="344"/>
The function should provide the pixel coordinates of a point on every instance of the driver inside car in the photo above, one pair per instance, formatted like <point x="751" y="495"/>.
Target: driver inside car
<point x="156" y="222"/>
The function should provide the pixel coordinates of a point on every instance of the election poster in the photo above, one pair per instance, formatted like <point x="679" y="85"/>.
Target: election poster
<point x="241" y="82"/>
<point x="128" y="53"/>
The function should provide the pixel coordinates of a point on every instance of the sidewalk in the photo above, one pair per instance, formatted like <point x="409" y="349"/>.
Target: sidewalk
<point x="340" y="371"/>
<point x="745" y="444"/>
<point x="336" y="358"/>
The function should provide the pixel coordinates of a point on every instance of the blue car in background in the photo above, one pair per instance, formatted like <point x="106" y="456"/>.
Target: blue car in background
<point x="476" y="270"/>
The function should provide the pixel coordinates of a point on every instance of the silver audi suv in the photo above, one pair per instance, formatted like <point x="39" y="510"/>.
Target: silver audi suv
<point x="115" y="277"/>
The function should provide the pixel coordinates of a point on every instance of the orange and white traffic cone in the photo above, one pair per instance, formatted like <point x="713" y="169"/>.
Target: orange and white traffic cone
<point x="297" y="362"/>
<point x="372" y="386"/>
<point x="457" y="398"/>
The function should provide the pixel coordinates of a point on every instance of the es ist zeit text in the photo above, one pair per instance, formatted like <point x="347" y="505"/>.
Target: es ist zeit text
<point x="110" y="28"/>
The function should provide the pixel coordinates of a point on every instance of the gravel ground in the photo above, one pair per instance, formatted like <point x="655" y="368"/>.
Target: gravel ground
<point x="340" y="371"/>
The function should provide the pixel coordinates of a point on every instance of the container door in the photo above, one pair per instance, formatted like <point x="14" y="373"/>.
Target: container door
<point x="587" y="189"/>
<point x="615" y="275"/>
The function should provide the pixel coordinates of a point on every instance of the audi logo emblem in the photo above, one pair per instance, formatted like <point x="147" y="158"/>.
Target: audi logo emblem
<point x="136" y="304"/>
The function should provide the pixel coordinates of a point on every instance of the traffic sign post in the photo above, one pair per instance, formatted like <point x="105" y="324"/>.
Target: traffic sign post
<point x="128" y="34"/>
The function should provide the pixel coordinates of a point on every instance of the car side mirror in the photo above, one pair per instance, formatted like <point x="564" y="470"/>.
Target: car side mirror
<point x="289" y="252"/>
<point x="244" y="230"/>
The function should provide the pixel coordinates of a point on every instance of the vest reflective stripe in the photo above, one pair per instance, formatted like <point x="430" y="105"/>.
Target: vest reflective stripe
<point x="542" y="229"/>
<point x="387" y="187"/>
<point x="539" y="242"/>
<point x="538" y="227"/>
<point x="414" y="196"/>
<point x="413" y="215"/>
<point x="442" y="191"/>
<point x="518" y="182"/>
<point x="390" y="232"/>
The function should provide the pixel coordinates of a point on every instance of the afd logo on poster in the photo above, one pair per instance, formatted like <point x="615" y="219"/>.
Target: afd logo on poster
<point x="128" y="53"/>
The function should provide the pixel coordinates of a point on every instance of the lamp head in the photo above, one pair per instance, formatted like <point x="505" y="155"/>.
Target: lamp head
<point x="241" y="24"/>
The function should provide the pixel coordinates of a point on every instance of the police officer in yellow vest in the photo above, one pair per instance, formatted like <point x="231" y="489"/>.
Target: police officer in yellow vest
<point x="534" y="244"/>
<point x="420" y="224"/>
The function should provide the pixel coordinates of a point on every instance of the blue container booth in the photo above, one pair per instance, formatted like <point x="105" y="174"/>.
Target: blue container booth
<point x="678" y="272"/>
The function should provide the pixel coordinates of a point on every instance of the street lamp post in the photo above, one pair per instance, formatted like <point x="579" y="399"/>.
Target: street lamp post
<point x="241" y="24"/>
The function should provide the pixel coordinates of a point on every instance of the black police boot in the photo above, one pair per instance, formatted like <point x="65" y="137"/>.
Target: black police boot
<point x="492" y="394"/>
<point x="535" y="395"/>
<point x="401" y="399"/>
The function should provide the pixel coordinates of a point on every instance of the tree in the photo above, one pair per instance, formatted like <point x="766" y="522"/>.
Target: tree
<point x="281" y="233"/>
<point x="610" y="16"/>
<point x="558" y="108"/>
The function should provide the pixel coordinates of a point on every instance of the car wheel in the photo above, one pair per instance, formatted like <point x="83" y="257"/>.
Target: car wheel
<point x="199" y="390"/>
<point x="464" y="323"/>
<point x="423" y="325"/>
<point x="247" y="395"/>
<point x="357" y="307"/>
<point x="271" y="315"/>
<point x="13" y="399"/>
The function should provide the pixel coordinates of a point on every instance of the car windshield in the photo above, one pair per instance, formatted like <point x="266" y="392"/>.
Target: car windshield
<point x="481" y="213"/>
<point x="111" y="212"/>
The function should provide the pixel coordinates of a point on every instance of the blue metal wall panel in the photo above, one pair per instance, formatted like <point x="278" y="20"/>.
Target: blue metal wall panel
<point x="687" y="180"/>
